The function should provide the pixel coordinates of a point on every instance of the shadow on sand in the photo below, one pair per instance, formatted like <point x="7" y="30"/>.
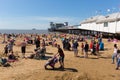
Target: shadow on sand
<point x="44" y="58"/>
<point x="47" y="57"/>
<point x="103" y="57"/>
<point x="106" y="57"/>
<point x="65" y="69"/>
<point x="49" y="53"/>
<point x="92" y="58"/>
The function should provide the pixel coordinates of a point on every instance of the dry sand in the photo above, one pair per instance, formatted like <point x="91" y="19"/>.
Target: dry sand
<point x="76" y="68"/>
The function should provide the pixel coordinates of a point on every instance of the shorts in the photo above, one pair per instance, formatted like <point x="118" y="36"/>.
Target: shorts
<point x="75" y="50"/>
<point x="86" y="51"/>
<point x="61" y="59"/>
<point x="113" y="56"/>
<point x="23" y="49"/>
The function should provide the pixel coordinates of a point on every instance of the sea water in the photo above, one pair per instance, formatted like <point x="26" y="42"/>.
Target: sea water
<point x="24" y="31"/>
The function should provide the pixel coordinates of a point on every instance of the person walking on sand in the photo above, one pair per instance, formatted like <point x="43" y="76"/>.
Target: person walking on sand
<point x="75" y="48"/>
<point x="91" y="46"/>
<point x="10" y="47"/>
<point x="114" y="53"/>
<point x="82" y="47"/>
<point x="86" y="48"/>
<point x="6" y="49"/>
<point x="23" y="48"/>
<point x="97" y="49"/>
<point x="37" y="43"/>
<point x="61" y="55"/>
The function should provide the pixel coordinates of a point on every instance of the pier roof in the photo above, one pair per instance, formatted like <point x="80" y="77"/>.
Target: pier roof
<point x="91" y="19"/>
<point x="109" y="18"/>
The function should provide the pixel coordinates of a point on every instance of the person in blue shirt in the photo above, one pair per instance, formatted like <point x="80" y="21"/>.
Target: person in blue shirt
<point x="75" y="48"/>
<point x="101" y="46"/>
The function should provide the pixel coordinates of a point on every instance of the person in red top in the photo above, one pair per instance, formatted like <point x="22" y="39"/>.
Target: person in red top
<point x="91" y="46"/>
<point x="82" y="48"/>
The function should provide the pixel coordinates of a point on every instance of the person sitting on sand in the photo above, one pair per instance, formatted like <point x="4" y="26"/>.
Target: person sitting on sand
<point x="4" y="62"/>
<point x="39" y="53"/>
<point x="12" y="57"/>
<point x="109" y="40"/>
<point x="115" y="40"/>
<point x="42" y="51"/>
<point x="34" y="54"/>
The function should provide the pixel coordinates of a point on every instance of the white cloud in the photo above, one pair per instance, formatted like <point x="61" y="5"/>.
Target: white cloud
<point x="33" y="22"/>
<point x="108" y="10"/>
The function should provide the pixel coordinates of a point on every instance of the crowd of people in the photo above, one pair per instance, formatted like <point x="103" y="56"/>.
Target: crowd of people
<point x="94" y="46"/>
<point x="76" y="43"/>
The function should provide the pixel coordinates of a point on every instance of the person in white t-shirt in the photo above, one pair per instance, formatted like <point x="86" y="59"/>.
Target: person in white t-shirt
<point x="114" y="53"/>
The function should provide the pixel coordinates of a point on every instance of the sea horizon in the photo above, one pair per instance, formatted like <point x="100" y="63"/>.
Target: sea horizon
<point x="17" y="31"/>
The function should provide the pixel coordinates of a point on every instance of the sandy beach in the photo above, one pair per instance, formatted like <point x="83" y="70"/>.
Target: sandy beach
<point x="76" y="68"/>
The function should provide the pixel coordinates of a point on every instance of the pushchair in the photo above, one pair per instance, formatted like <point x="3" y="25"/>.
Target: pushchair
<point x="51" y="62"/>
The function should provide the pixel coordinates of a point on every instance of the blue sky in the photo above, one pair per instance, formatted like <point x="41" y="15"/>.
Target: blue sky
<point x="28" y="14"/>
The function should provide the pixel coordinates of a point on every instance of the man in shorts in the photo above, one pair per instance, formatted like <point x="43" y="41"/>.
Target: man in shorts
<point x="61" y="56"/>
